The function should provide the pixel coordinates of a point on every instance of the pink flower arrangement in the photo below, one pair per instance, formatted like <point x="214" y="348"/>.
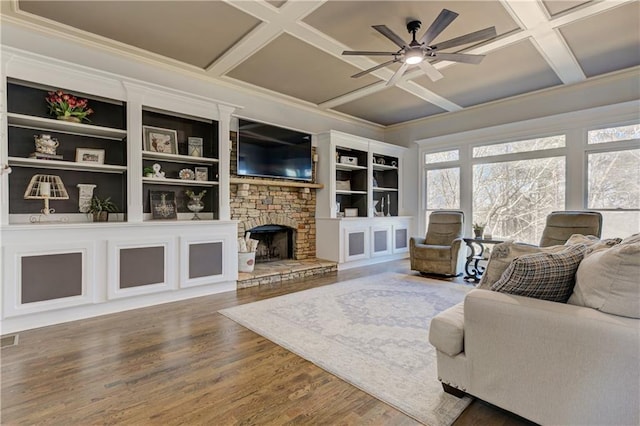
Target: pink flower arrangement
<point x="64" y="105"/>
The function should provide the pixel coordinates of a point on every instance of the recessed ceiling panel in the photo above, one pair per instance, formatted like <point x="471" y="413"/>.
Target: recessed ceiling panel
<point x="555" y="7"/>
<point x="195" y="32"/>
<point x="510" y="71"/>
<point x="276" y="3"/>
<point x="290" y="66"/>
<point x="606" y="42"/>
<point x="350" y="21"/>
<point x="389" y="106"/>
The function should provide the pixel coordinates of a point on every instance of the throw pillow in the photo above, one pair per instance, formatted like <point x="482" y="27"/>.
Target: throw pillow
<point x="548" y="276"/>
<point x="502" y="256"/>
<point x="607" y="280"/>
<point x="593" y="243"/>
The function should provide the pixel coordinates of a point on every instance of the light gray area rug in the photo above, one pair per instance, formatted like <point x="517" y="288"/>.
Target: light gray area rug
<point x="371" y="332"/>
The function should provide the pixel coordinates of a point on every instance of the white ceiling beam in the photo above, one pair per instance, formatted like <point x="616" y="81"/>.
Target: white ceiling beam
<point x="274" y="23"/>
<point x="531" y="16"/>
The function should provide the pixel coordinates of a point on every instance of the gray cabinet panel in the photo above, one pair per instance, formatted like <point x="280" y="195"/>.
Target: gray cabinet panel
<point x="51" y="276"/>
<point x="141" y="266"/>
<point x="205" y="259"/>
<point x="356" y="243"/>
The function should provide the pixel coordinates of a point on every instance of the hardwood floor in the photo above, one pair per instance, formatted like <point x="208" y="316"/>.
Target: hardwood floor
<point x="183" y="363"/>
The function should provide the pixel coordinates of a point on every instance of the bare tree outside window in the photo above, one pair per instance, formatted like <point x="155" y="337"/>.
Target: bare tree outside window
<point x="513" y="198"/>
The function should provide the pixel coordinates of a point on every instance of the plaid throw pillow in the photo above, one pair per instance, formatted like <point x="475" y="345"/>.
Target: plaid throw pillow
<point x="547" y="276"/>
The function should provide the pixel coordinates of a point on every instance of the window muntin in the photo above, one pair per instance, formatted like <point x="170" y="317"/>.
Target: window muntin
<point x="614" y="134"/>
<point x="537" y="144"/>
<point x="442" y="157"/>
<point x="613" y="179"/>
<point x="513" y="198"/>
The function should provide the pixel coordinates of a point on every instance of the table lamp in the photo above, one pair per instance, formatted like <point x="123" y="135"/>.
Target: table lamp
<point x="45" y="187"/>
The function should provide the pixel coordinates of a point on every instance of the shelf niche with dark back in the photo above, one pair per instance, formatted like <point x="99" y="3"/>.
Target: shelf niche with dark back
<point x="28" y="117"/>
<point x="174" y="162"/>
<point x="385" y="184"/>
<point x="351" y="180"/>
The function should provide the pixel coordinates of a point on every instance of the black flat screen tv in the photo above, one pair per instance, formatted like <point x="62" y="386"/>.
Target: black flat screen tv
<point x="271" y="151"/>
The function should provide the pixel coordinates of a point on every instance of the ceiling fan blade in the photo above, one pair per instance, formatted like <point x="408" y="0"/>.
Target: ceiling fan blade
<point x="377" y="67"/>
<point x="442" y="21"/>
<point x="467" y="38"/>
<point x="367" y="53"/>
<point x="382" y="29"/>
<point x="460" y="57"/>
<point x="395" y="77"/>
<point x="430" y="70"/>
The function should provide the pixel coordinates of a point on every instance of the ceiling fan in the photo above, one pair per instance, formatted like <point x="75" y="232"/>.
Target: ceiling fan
<point x="419" y="52"/>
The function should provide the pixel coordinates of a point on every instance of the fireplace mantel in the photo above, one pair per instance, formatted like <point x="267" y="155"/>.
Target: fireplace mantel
<point x="273" y="182"/>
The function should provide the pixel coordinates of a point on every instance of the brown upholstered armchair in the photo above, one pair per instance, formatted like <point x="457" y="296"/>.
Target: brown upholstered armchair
<point x="439" y="252"/>
<point x="563" y="224"/>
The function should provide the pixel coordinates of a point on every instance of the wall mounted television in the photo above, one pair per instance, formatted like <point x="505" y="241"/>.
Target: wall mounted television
<point x="271" y="151"/>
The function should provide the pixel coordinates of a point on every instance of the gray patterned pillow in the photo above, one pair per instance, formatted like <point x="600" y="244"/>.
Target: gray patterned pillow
<point x="547" y="276"/>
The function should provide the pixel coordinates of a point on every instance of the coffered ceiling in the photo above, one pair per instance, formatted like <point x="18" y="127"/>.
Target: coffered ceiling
<point x="292" y="49"/>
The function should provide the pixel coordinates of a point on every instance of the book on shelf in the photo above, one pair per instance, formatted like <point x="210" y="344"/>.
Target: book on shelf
<point x="43" y="156"/>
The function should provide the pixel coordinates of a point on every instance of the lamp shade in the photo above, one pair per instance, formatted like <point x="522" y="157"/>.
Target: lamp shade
<point x="46" y="186"/>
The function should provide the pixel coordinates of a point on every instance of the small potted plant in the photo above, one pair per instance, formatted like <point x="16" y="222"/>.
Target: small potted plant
<point x="478" y="229"/>
<point x="147" y="172"/>
<point x="67" y="107"/>
<point x="100" y="208"/>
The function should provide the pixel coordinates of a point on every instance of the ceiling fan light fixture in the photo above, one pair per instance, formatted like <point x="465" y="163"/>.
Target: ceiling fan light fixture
<point x="414" y="57"/>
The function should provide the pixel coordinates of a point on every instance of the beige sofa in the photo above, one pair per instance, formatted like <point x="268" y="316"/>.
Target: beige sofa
<point x="552" y="363"/>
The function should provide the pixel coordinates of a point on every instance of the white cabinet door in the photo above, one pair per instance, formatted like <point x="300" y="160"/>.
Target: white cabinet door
<point x="356" y="243"/>
<point x="381" y="240"/>
<point x="400" y="239"/>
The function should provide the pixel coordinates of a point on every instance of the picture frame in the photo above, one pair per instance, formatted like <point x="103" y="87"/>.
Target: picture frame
<point x="351" y="212"/>
<point x="90" y="155"/>
<point x="157" y="139"/>
<point x="194" y="146"/>
<point x="163" y="205"/>
<point x="202" y="173"/>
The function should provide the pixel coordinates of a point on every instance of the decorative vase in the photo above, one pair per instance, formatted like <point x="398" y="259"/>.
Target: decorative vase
<point x="68" y="118"/>
<point x="45" y="144"/>
<point x="195" y="204"/>
<point x="101" y="216"/>
<point x="478" y="233"/>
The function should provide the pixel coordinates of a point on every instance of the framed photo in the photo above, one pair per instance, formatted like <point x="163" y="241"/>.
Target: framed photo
<point x="89" y="155"/>
<point x="202" y="173"/>
<point x="351" y="212"/>
<point x="195" y="147"/>
<point x="157" y="139"/>
<point x="163" y="205"/>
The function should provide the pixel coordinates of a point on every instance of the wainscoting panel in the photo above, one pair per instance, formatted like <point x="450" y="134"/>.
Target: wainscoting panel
<point x="400" y="239"/>
<point x="202" y="259"/>
<point x="140" y="267"/>
<point x="381" y="239"/>
<point x="47" y="277"/>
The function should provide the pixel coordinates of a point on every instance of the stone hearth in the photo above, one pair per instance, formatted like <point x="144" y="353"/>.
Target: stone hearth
<point x="283" y="270"/>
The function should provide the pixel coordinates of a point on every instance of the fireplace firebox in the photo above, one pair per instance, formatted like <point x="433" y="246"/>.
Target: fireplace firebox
<point x="276" y="242"/>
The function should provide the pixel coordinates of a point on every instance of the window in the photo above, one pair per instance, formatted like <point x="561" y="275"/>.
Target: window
<point x="442" y="182"/>
<point x="538" y="144"/>
<point x="513" y="198"/>
<point x="613" y="179"/>
<point x="613" y="134"/>
<point x="442" y="157"/>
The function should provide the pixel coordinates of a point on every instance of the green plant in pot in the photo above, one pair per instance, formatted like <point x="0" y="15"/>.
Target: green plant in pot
<point x="478" y="229"/>
<point x="101" y="207"/>
<point x="147" y="172"/>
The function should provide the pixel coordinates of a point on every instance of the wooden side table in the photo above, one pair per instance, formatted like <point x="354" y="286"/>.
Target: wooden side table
<point x="473" y="270"/>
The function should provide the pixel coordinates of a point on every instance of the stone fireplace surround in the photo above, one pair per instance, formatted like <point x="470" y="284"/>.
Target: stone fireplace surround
<point x="256" y="203"/>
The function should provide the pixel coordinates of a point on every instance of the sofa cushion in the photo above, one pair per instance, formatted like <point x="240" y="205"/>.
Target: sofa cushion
<point x="607" y="279"/>
<point x="502" y="256"/>
<point x="548" y="276"/>
<point x="446" y="331"/>
<point x="593" y="243"/>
